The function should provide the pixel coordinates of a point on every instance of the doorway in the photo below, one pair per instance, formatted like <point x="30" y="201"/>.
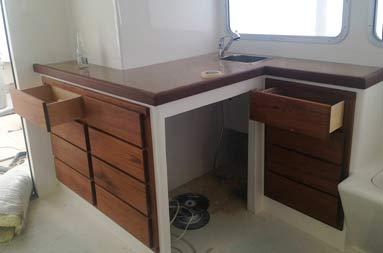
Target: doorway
<point x="13" y="148"/>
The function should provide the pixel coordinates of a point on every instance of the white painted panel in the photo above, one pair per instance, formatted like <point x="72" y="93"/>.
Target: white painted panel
<point x="153" y="31"/>
<point x="96" y="20"/>
<point x="191" y="141"/>
<point x="39" y="33"/>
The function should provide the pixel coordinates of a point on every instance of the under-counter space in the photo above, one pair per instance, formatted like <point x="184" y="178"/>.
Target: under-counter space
<point x="165" y="82"/>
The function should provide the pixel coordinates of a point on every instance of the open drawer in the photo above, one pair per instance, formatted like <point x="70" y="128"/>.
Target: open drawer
<point x="47" y="106"/>
<point x="303" y="110"/>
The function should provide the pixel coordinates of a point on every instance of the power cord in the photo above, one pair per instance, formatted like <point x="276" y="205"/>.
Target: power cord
<point x="179" y="207"/>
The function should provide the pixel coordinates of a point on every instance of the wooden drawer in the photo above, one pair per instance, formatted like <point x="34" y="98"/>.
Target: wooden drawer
<point x="73" y="132"/>
<point x="304" y="169"/>
<point x="121" y="185"/>
<point x="115" y="120"/>
<point x="118" y="153"/>
<point x="47" y="106"/>
<point x="298" y="110"/>
<point x="316" y="204"/>
<point x="74" y="180"/>
<point x="331" y="149"/>
<point x="71" y="155"/>
<point x="127" y="217"/>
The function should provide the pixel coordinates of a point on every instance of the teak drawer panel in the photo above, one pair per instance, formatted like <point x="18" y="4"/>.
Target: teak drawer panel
<point x="73" y="132"/>
<point x="316" y="204"/>
<point x="297" y="111"/>
<point x="115" y="120"/>
<point x="331" y="149"/>
<point x="71" y="155"/>
<point x="74" y="180"/>
<point x="121" y="185"/>
<point x="47" y="106"/>
<point x="124" y="156"/>
<point x="124" y="215"/>
<point x="312" y="172"/>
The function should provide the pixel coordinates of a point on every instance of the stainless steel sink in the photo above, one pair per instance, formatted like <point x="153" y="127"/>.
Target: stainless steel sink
<point x="244" y="58"/>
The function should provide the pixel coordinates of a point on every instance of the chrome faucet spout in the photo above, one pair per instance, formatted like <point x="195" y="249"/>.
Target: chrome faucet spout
<point x="222" y="48"/>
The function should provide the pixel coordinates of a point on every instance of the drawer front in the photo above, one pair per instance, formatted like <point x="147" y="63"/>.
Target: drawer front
<point x="121" y="185"/>
<point x="72" y="132"/>
<point x="47" y="106"/>
<point x="311" y="202"/>
<point x="115" y="120"/>
<point x="296" y="115"/>
<point x="303" y="169"/>
<point x="331" y="149"/>
<point x="74" y="180"/>
<point x="124" y="215"/>
<point x="71" y="155"/>
<point x="120" y="154"/>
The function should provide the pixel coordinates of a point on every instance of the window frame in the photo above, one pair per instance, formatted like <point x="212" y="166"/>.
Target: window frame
<point x="302" y="39"/>
<point x="373" y="36"/>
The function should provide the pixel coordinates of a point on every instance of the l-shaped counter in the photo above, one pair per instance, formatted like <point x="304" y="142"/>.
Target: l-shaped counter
<point x="150" y="95"/>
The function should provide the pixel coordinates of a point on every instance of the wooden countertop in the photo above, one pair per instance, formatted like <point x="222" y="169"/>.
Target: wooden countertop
<point x="165" y="82"/>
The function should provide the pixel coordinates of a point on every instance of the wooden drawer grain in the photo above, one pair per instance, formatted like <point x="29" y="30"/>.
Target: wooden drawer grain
<point x="316" y="204"/>
<point x="121" y="185"/>
<point x="115" y="120"/>
<point x="74" y="180"/>
<point x="47" y="106"/>
<point x="331" y="149"/>
<point x="303" y="169"/>
<point x="71" y="155"/>
<point x="278" y="108"/>
<point x="118" y="153"/>
<point x="124" y="215"/>
<point x="73" y="132"/>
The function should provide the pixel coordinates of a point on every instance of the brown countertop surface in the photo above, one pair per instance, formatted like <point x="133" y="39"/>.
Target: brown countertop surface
<point x="165" y="82"/>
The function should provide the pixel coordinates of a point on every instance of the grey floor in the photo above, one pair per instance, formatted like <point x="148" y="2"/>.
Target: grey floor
<point x="64" y="223"/>
<point x="11" y="138"/>
<point x="234" y="230"/>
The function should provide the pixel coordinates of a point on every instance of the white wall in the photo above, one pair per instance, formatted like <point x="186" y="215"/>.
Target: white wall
<point x="356" y="48"/>
<point x="39" y="33"/>
<point x="96" y="20"/>
<point x="191" y="141"/>
<point x="153" y="31"/>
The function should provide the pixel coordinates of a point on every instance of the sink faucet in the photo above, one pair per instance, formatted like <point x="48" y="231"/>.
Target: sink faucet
<point x="221" y="43"/>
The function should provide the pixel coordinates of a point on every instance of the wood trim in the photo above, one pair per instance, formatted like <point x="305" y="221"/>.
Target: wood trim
<point x="316" y="204"/>
<point x="338" y="80"/>
<point x="330" y="150"/>
<point x="74" y="180"/>
<point x="117" y="121"/>
<point x="71" y="155"/>
<point x="149" y="177"/>
<point x="151" y="183"/>
<point x="339" y="142"/>
<point x="127" y="217"/>
<point x="92" y="94"/>
<point x="99" y="78"/>
<point x="121" y="185"/>
<point x="118" y="153"/>
<point x="73" y="132"/>
<point x="109" y="87"/>
<point x="297" y="110"/>
<point x="312" y="172"/>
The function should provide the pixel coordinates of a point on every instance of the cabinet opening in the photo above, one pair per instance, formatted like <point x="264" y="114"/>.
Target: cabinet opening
<point x="207" y="156"/>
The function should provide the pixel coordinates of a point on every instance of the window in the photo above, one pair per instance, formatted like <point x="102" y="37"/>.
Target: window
<point x="297" y="20"/>
<point x="378" y="24"/>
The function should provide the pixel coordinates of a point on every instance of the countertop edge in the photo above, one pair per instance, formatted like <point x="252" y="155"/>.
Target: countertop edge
<point x="156" y="99"/>
<point x="97" y="84"/>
